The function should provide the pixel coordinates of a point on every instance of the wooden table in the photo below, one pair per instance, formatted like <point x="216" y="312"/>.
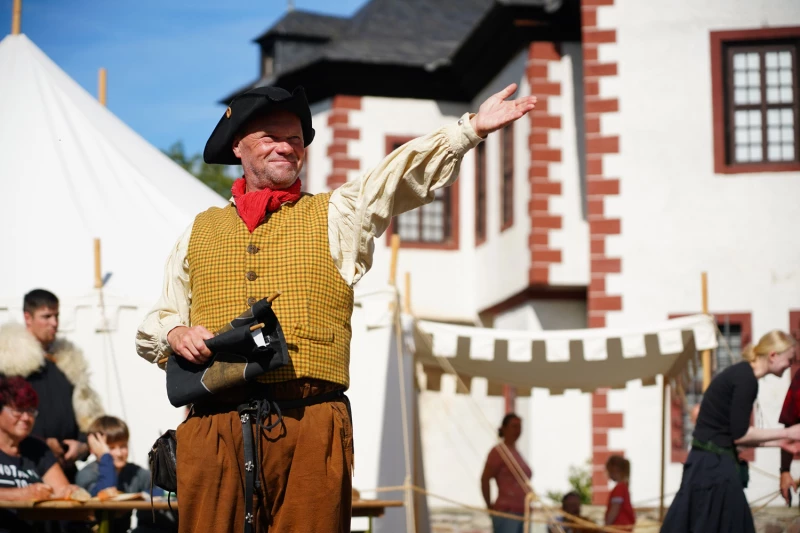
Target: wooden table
<point x="103" y="511"/>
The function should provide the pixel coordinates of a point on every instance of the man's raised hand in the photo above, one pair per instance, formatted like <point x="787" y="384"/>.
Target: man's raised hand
<point x="497" y="112"/>
<point x="190" y="344"/>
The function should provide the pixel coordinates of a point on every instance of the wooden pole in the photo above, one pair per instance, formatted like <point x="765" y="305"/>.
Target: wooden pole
<point x="98" y="271"/>
<point x="101" y="86"/>
<point x="393" y="265"/>
<point x="663" y="445"/>
<point x="407" y="295"/>
<point x="16" y="18"/>
<point x="706" y="355"/>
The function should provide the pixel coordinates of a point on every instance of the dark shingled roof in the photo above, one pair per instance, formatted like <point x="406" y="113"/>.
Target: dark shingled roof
<point x="412" y="41"/>
<point x="306" y="24"/>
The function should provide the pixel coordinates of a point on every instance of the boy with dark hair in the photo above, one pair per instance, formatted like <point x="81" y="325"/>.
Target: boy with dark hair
<point x="108" y="441"/>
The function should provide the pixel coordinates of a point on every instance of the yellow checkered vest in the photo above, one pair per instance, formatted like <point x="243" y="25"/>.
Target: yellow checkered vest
<point x="230" y="269"/>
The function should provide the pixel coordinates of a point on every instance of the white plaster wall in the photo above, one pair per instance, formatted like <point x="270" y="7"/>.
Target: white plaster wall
<point x="503" y="260"/>
<point x="678" y="217"/>
<point x="442" y="281"/>
<point x="573" y="237"/>
<point x="557" y="428"/>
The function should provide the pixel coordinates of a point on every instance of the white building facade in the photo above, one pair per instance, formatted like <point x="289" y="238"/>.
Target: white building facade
<point x="664" y="145"/>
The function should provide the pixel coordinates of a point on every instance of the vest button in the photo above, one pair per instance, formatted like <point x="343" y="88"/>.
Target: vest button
<point x="251" y="276"/>
<point x="252" y="249"/>
<point x="251" y="302"/>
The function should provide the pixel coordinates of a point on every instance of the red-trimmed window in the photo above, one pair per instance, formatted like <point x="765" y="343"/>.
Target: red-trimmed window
<point x="736" y="333"/>
<point x="434" y="225"/>
<point x="480" y="194"/>
<point x="755" y="100"/>
<point x="507" y="176"/>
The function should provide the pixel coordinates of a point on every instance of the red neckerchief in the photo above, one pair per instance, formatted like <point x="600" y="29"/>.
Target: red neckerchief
<point x="252" y="206"/>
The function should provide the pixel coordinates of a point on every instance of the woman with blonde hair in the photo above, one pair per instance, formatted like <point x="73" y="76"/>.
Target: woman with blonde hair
<point x="711" y="498"/>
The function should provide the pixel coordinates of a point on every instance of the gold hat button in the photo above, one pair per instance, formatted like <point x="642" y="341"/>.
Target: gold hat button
<point x="251" y="276"/>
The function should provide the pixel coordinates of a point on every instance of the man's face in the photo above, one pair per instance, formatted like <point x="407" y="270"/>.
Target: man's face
<point x="572" y="505"/>
<point x="271" y="149"/>
<point x="43" y="324"/>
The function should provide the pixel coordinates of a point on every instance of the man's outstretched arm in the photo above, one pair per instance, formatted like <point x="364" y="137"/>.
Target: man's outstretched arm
<point x="408" y="178"/>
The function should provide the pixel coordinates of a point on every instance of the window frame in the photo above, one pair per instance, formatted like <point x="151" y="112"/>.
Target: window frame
<point x="721" y="43"/>
<point x="452" y="241"/>
<point x="481" y="193"/>
<point x="506" y="177"/>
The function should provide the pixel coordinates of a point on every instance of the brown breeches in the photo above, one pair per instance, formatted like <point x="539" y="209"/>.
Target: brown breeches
<point x="305" y="468"/>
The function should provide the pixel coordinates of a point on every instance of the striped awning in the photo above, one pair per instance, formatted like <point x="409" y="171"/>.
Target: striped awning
<point x="585" y="359"/>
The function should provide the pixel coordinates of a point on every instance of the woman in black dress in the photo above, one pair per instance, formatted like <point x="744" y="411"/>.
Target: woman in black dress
<point x="711" y="498"/>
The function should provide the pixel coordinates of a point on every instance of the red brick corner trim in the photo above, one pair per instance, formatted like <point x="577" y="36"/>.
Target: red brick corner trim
<point x="602" y="421"/>
<point x="599" y="187"/>
<point x="343" y="132"/>
<point x="542" y="153"/>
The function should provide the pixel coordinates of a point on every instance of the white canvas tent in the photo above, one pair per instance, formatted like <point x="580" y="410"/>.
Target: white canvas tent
<point x="72" y="172"/>
<point x="449" y="434"/>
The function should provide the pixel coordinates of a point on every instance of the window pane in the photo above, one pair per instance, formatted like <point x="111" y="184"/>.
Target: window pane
<point x="773" y="135"/>
<point x="786" y="117"/>
<point x="754" y="96"/>
<point x="742" y="136"/>
<point x="773" y="117"/>
<point x="788" y="152"/>
<point x="787" y="135"/>
<point x="786" y="77"/>
<point x="741" y="118"/>
<point x="755" y="135"/>
<point x="772" y="78"/>
<point x="740" y="79"/>
<point x="752" y="60"/>
<point x="742" y="154"/>
<point x="774" y="152"/>
<point x="755" y="118"/>
<point x="771" y="59"/>
<point x="786" y="95"/>
<point x="785" y="60"/>
<point x="755" y="153"/>
<point x="739" y="61"/>
<point x="408" y="226"/>
<point x="773" y="96"/>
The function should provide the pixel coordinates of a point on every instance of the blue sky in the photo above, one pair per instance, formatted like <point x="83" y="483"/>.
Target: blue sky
<point x="169" y="61"/>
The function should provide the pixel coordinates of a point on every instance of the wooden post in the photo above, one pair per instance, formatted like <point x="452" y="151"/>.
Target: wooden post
<point x="663" y="444"/>
<point x="16" y="18"/>
<point x="393" y="263"/>
<point x="98" y="271"/>
<point x="101" y="86"/>
<point x="706" y="355"/>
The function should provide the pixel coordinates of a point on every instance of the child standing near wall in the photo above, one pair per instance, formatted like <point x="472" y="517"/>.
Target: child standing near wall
<point x="620" y="511"/>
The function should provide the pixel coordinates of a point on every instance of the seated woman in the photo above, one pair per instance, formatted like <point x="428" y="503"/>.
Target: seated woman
<point x="28" y="469"/>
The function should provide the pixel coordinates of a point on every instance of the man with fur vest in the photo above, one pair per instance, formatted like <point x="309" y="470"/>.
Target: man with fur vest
<point x="59" y="374"/>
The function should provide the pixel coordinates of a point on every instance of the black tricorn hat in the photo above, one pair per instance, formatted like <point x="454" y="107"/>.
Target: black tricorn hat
<point x="258" y="101"/>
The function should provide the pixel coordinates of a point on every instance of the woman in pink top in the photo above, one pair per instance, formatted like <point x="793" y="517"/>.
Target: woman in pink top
<point x="511" y="478"/>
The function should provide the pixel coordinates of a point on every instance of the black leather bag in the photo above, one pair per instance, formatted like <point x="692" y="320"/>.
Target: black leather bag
<point x="163" y="458"/>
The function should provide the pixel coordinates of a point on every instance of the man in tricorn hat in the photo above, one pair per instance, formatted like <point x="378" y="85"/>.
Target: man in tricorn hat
<point x="313" y="249"/>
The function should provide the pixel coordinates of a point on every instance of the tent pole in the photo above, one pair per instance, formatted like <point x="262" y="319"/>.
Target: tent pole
<point x="395" y="243"/>
<point x="663" y="444"/>
<point x="407" y="295"/>
<point x="98" y="271"/>
<point x="706" y="356"/>
<point x="101" y="86"/>
<point x="16" y="18"/>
